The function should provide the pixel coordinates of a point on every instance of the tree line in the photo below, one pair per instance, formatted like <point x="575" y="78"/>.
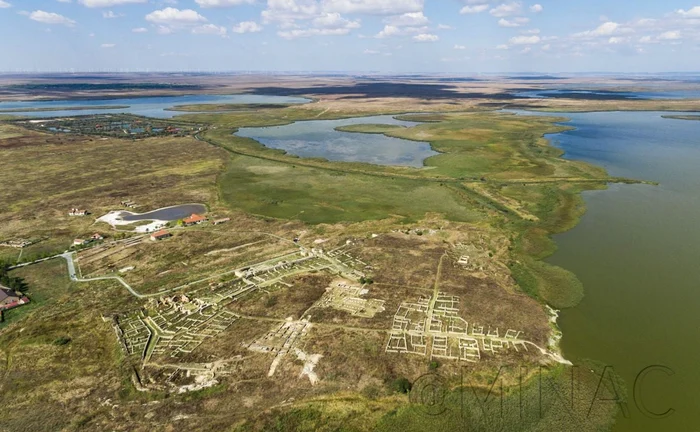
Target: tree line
<point x="12" y="282"/>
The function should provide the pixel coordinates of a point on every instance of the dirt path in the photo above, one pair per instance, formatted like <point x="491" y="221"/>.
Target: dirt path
<point x="436" y="289"/>
<point x="322" y="112"/>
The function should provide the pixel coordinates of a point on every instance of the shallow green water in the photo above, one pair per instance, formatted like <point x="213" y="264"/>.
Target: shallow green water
<point x="637" y="252"/>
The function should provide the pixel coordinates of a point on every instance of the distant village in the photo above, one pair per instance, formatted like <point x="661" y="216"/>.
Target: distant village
<point x="112" y="125"/>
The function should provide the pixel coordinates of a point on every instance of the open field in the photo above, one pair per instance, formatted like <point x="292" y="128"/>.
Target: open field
<point x="94" y="174"/>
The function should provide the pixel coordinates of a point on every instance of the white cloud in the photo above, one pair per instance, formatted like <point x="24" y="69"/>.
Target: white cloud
<point x="371" y="52"/>
<point x="407" y="19"/>
<point x="334" y="20"/>
<point x="246" y="27"/>
<point x="50" y="18"/>
<point x="460" y="47"/>
<point x="108" y="45"/>
<point x="390" y="30"/>
<point x="376" y="7"/>
<point x="525" y="40"/>
<point x="172" y="16"/>
<point x="210" y="29"/>
<point x="387" y="31"/>
<point x="474" y="9"/>
<point x="108" y="3"/>
<point x="691" y="13"/>
<point x="4" y="4"/>
<point x="444" y="27"/>
<point x="139" y="30"/>
<point x="222" y="3"/>
<point x="515" y="22"/>
<point x="646" y="22"/>
<point x="616" y="40"/>
<point x="299" y="33"/>
<point x="287" y="12"/>
<point x="673" y="36"/>
<point x="425" y="37"/>
<point x="606" y="29"/>
<point x="507" y="9"/>
<point x="536" y="8"/>
<point x="502" y="47"/>
<point x="110" y="14"/>
<point x="304" y="18"/>
<point x="670" y="35"/>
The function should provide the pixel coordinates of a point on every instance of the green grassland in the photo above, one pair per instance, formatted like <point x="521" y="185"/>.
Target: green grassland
<point x="285" y="191"/>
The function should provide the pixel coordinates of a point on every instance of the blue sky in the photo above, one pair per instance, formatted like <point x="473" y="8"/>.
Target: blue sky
<point x="453" y="36"/>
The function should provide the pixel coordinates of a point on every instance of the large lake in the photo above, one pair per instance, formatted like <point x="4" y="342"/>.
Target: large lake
<point x="637" y="252"/>
<point x="145" y="106"/>
<point x="318" y="138"/>
<point x="602" y="94"/>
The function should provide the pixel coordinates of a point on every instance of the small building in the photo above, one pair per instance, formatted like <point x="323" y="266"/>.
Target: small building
<point x="97" y="237"/>
<point x="195" y="219"/>
<point x="160" y="235"/>
<point x="80" y="242"/>
<point x="77" y="212"/>
<point x="9" y="298"/>
<point x="220" y="221"/>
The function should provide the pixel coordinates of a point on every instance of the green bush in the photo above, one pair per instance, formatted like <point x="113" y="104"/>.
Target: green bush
<point x="401" y="385"/>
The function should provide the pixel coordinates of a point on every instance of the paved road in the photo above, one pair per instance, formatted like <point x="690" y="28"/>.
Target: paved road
<point x="32" y="262"/>
<point x="68" y="256"/>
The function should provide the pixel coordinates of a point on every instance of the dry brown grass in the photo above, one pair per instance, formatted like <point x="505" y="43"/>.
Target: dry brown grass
<point x="44" y="176"/>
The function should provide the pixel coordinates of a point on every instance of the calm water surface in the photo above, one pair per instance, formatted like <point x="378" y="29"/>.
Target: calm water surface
<point x="637" y="252"/>
<point x="146" y="106"/>
<point x="167" y="214"/>
<point x="609" y="94"/>
<point x="318" y="138"/>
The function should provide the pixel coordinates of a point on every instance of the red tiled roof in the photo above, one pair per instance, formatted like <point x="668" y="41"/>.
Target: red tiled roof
<point x="194" y="219"/>
<point x="161" y="233"/>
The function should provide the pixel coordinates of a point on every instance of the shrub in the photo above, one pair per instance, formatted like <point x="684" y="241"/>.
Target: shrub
<point x="401" y="385"/>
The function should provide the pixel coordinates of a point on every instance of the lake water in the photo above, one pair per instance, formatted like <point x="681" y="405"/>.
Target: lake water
<point x="145" y="106"/>
<point x="166" y="214"/>
<point x="637" y="253"/>
<point x="607" y="94"/>
<point x="318" y="138"/>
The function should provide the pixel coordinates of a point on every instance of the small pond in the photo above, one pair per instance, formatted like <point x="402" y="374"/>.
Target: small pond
<point x="165" y="214"/>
